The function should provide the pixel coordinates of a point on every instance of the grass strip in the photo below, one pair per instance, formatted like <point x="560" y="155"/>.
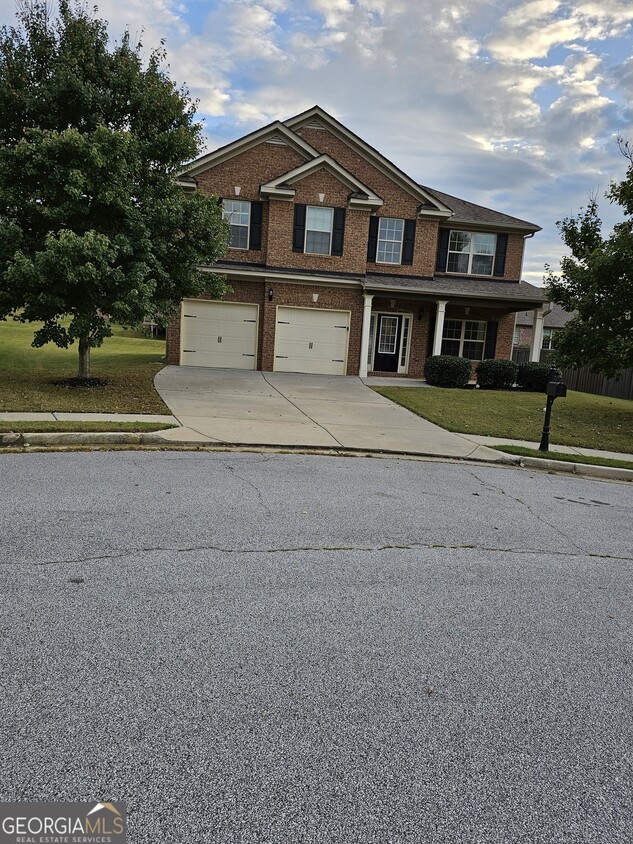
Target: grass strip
<point x="81" y="427"/>
<point x="564" y="456"/>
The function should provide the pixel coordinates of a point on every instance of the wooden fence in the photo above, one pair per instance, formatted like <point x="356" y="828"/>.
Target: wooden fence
<point x="585" y="380"/>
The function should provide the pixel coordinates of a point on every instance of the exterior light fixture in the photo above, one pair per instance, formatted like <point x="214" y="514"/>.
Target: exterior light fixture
<point x="270" y="294"/>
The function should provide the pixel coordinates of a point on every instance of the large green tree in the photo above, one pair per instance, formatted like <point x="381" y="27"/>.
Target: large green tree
<point x="93" y="227"/>
<point x="596" y="283"/>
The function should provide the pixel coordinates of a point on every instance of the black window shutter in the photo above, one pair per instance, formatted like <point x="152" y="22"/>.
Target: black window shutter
<point x="299" y="231"/>
<point x="338" y="231"/>
<point x="408" y="241"/>
<point x="442" y="251"/>
<point x="372" y="247"/>
<point x="500" y="254"/>
<point x="255" y="234"/>
<point x="491" y="340"/>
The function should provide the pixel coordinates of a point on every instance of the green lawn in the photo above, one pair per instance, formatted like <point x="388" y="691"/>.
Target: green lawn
<point x="581" y="419"/>
<point x="128" y="361"/>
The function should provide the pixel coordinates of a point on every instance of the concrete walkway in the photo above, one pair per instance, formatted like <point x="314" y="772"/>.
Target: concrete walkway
<point x="257" y="408"/>
<point x="9" y="416"/>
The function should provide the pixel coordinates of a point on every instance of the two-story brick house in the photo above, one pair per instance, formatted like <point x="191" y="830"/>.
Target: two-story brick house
<point x="341" y="264"/>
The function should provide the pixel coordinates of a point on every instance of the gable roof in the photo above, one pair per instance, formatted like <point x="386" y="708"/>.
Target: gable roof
<point x="430" y="205"/>
<point x="362" y="196"/>
<point x="274" y="132"/>
<point x="476" y="215"/>
<point x="433" y="203"/>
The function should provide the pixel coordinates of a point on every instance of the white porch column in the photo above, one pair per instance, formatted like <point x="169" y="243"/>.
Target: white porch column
<point x="537" y="334"/>
<point x="439" y="326"/>
<point x="364" y="337"/>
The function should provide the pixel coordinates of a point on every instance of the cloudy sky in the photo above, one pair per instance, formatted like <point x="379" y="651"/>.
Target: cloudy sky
<point x="512" y="104"/>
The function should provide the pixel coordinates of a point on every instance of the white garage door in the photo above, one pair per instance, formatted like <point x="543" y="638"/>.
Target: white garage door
<point x="311" y="340"/>
<point x="219" y="334"/>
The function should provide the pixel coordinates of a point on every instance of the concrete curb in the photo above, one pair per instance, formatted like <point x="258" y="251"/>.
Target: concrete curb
<point x="68" y="439"/>
<point x="611" y="473"/>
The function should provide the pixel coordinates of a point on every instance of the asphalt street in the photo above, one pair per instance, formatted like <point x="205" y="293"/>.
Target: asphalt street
<point x="294" y="648"/>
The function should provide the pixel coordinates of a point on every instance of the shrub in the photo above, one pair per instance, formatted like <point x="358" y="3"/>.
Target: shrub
<point x="533" y="376"/>
<point x="447" y="371"/>
<point x="496" y="374"/>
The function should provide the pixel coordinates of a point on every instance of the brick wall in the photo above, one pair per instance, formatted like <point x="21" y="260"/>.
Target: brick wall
<point x="249" y="170"/>
<point x="252" y="168"/>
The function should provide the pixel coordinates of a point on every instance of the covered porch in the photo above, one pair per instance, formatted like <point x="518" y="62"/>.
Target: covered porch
<point x="405" y="321"/>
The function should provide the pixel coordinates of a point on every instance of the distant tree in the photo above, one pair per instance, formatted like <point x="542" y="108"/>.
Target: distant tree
<point x="93" y="227"/>
<point x="596" y="282"/>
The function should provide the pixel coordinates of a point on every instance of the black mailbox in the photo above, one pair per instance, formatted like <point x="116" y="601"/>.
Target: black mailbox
<point x="557" y="389"/>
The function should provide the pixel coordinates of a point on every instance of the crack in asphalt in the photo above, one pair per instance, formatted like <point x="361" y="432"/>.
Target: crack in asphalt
<point x="260" y="497"/>
<point x="432" y="546"/>
<point x="529" y="508"/>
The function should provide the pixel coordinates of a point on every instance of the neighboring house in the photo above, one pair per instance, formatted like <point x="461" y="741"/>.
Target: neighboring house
<point x="556" y="319"/>
<point x="341" y="264"/>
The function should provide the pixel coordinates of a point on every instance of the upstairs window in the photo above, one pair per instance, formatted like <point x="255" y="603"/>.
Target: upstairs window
<point x="471" y="253"/>
<point x="390" y="234"/>
<point x="318" y="230"/>
<point x="391" y="241"/>
<point x="238" y="215"/>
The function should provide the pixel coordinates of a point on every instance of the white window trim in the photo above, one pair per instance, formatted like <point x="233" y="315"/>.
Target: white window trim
<point x="471" y="253"/>
<point x="549" y="336"/>
<point x="402" y="369"/>
<point x="319" y="231"/>
<point x="389" y="240"/>
<point x="461" y="338"/>
<point x="241" y="225"/>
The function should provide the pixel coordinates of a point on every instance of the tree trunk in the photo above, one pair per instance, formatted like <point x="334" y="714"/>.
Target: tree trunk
<point x="84" y="357"/>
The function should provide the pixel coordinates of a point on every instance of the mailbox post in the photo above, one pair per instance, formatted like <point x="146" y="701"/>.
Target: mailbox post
<point x="555" y="390"/>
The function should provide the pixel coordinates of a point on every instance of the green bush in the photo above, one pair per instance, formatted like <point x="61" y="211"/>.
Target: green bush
<point x="533" y="376"/>
<point x="496" y="374"/>
<point x="447" y="371"/>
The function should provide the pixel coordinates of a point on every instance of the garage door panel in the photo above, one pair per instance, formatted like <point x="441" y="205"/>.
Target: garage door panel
<point x="219" y="334"/>
<point x="311" y="340"/>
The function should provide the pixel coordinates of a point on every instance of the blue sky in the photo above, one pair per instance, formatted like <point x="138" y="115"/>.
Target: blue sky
<point x="515" y="104"/>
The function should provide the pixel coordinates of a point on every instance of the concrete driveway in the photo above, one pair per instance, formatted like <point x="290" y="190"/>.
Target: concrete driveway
<point x="266" y="408"/>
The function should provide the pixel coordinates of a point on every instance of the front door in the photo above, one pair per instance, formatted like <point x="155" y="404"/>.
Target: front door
<point x="387" y="343"/>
